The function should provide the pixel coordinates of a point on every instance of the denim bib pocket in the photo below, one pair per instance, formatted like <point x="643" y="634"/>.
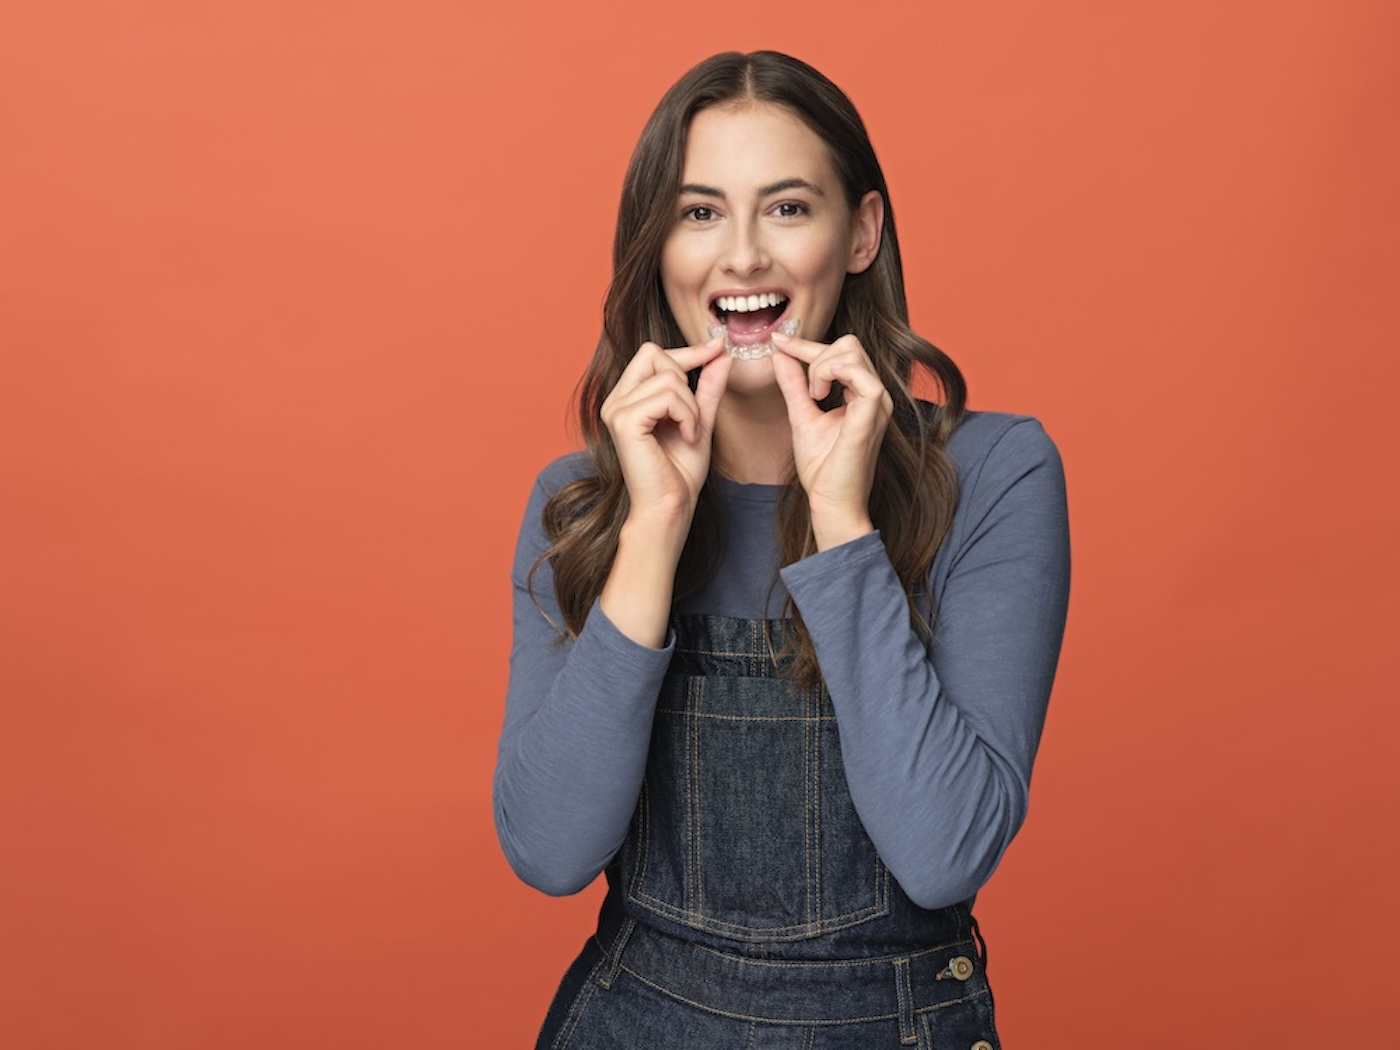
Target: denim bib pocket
<point x="745" y="828"/>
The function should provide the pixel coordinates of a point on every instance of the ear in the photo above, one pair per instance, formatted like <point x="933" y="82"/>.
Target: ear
<point x="869" y="220"/>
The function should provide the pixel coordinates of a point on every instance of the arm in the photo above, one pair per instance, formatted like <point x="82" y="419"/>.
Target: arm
<point x="578" y="714"/>
<point x="578" y="725"/>
<point x="938" y="745"/>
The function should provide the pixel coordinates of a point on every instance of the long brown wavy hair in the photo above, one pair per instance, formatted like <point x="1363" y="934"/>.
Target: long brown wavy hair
<point x="915" y="484"/>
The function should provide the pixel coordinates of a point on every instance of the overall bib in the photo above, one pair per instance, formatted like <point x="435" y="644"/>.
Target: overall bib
<point x="747" y="908"/>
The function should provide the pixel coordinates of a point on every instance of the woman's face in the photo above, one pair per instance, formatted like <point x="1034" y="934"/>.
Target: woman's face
<point x="761" y="212"/>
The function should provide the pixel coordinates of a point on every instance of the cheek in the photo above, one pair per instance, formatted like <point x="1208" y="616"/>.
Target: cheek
<point x="677" y="272"/>
<point x="668" y="285"/>
<point x="826" y="257"/>
<point x="826" y="269"/>
<point x="680" y="256"/>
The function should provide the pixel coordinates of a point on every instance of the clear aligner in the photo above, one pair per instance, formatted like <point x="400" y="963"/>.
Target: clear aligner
<point x="752" y="351"/>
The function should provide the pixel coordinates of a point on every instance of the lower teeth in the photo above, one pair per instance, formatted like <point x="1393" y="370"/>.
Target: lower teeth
<point x="752" y="351"/>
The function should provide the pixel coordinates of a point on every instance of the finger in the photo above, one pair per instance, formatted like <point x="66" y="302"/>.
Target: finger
<point x="856" y="375"/>
<point x="831" y="367"/>
<point x="819" y="378"/>
<point x="802" y="349"/>
<point x="688" y="357"/>
<point x="820" y="374"/>
<point x="709" y="391"/>
<point x="637" y="412"/>
<point x="630" y="389"/>
<point x="650" y="359"/>
<point x="844" y="361"/>
<point x="662" y="404"/>
<point x="792" y="381"/>
<point x="642" y="365"/>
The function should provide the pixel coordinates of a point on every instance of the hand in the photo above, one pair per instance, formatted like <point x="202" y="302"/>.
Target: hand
<point x="662" y="431"/>
<point x="833" y="452"/>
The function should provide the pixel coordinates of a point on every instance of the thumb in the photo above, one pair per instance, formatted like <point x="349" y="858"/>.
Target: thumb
<point x="792" y="381"/>
<point x="709" y="390"/>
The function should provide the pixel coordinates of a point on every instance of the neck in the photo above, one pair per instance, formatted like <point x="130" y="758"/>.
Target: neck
<point x="753" y="439"/>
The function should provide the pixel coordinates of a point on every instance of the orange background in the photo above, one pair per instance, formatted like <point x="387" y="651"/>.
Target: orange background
<point x="294" y="296"/>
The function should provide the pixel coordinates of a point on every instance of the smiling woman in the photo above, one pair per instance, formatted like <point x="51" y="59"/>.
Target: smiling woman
<point x="748" y="250"/>
<point x="809" y="623"/>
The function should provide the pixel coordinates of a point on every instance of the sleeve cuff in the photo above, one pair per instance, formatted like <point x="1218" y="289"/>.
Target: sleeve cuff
<point x="840" y="561"/>
<point x="612" y="643"/>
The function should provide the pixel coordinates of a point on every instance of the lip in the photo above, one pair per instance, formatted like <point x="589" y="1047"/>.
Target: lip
<point x="760" y="335"/>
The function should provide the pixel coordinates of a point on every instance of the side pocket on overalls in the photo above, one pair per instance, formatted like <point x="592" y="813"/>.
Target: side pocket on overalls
<point x="965" y="1024"/>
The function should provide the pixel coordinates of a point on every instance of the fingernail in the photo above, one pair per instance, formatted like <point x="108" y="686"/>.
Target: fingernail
<point x="781" y="337"/>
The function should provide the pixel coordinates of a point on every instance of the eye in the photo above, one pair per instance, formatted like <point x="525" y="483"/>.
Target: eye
<point x="698" y="213"/>
<point x="790" y="209"/>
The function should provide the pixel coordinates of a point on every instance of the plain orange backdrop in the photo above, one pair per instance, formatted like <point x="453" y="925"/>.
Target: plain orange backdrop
<point x="293" y="296"/>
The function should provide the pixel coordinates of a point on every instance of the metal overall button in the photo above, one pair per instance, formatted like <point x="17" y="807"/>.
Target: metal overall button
<point x="959" y="968"/>
<point x="982" y="1044"/>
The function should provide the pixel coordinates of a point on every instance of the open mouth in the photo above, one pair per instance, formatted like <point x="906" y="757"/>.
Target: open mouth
<point x="748" y="322"/>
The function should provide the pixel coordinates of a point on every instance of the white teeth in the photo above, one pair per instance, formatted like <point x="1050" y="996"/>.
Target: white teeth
<point x="742" y="304"/>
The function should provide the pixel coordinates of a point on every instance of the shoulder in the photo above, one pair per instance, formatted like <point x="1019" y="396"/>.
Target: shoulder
<point x="1001" y="437"/>
<point x="548" y="482"/>
<point x="999" y="453"/>
<point x="562" y="471"/>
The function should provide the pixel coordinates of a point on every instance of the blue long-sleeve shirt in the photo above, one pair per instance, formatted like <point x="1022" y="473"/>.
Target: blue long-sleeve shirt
<point x="937" y="741"/>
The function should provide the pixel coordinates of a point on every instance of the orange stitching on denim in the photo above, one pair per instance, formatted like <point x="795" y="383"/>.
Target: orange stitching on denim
<point x="750" y="1017"/>
<point x="613" y="955"/>
<point x="814" y="816"/>
<point x="799" y="931"/>
<point x="566" y="1031"/>
<point x="904" y="995"/>
<point x="955" y="1002"/>
<point x="691" y="910"/>
<point x="695" y="900"/>
<point x="576" y="1011"/>
<point x="643" y="844"/>
<point x="926" y="1011"/>
<point x="826" y="964"/>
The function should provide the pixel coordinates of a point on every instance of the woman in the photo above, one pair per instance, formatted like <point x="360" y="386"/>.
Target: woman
<point x="784" y="634"/>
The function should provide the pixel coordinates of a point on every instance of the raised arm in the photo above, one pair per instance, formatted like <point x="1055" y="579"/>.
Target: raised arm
<point x="938" y="743"/>
<point x="578" y="719"/>
<point x="578" y="713"/>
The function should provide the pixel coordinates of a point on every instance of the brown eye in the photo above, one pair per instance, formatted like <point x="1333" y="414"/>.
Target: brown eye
<point x="699" y="213"/>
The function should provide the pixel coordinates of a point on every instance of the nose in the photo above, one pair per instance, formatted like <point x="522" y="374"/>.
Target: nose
<point x="744" y="252"/>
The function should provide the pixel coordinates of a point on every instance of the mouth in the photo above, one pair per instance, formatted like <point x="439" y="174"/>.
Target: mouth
<point x="748" y="322"/>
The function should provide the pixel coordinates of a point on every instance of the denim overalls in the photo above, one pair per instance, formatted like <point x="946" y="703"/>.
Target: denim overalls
<point x="747" y="908"/>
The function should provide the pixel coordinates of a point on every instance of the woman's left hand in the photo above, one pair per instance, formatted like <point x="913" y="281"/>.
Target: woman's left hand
<point x="834" y="452"/>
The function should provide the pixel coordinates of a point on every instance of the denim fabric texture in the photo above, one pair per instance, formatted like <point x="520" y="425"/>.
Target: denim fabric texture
<point x="747" y="908"/>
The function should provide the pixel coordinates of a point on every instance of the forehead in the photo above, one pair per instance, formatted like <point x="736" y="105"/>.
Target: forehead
<point x="746" y="146"/>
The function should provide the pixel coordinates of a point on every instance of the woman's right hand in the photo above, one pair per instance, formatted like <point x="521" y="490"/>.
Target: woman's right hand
<point x="662" y="430"/>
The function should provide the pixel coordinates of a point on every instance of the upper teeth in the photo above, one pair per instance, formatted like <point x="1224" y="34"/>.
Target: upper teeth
<point x="741" y="304"/>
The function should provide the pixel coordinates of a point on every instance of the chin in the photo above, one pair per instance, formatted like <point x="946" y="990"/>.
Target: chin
<point x="752" y="376"/>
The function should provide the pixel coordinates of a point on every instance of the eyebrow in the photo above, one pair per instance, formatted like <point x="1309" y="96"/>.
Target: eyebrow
<point x="781" y="186"/>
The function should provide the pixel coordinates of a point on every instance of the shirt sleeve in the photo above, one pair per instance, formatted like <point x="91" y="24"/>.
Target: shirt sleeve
<point x="573" y="748"/>
<point x="938" y="740"/>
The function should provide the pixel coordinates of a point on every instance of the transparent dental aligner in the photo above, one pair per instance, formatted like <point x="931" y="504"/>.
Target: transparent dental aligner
<point x="752" y="351"/>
